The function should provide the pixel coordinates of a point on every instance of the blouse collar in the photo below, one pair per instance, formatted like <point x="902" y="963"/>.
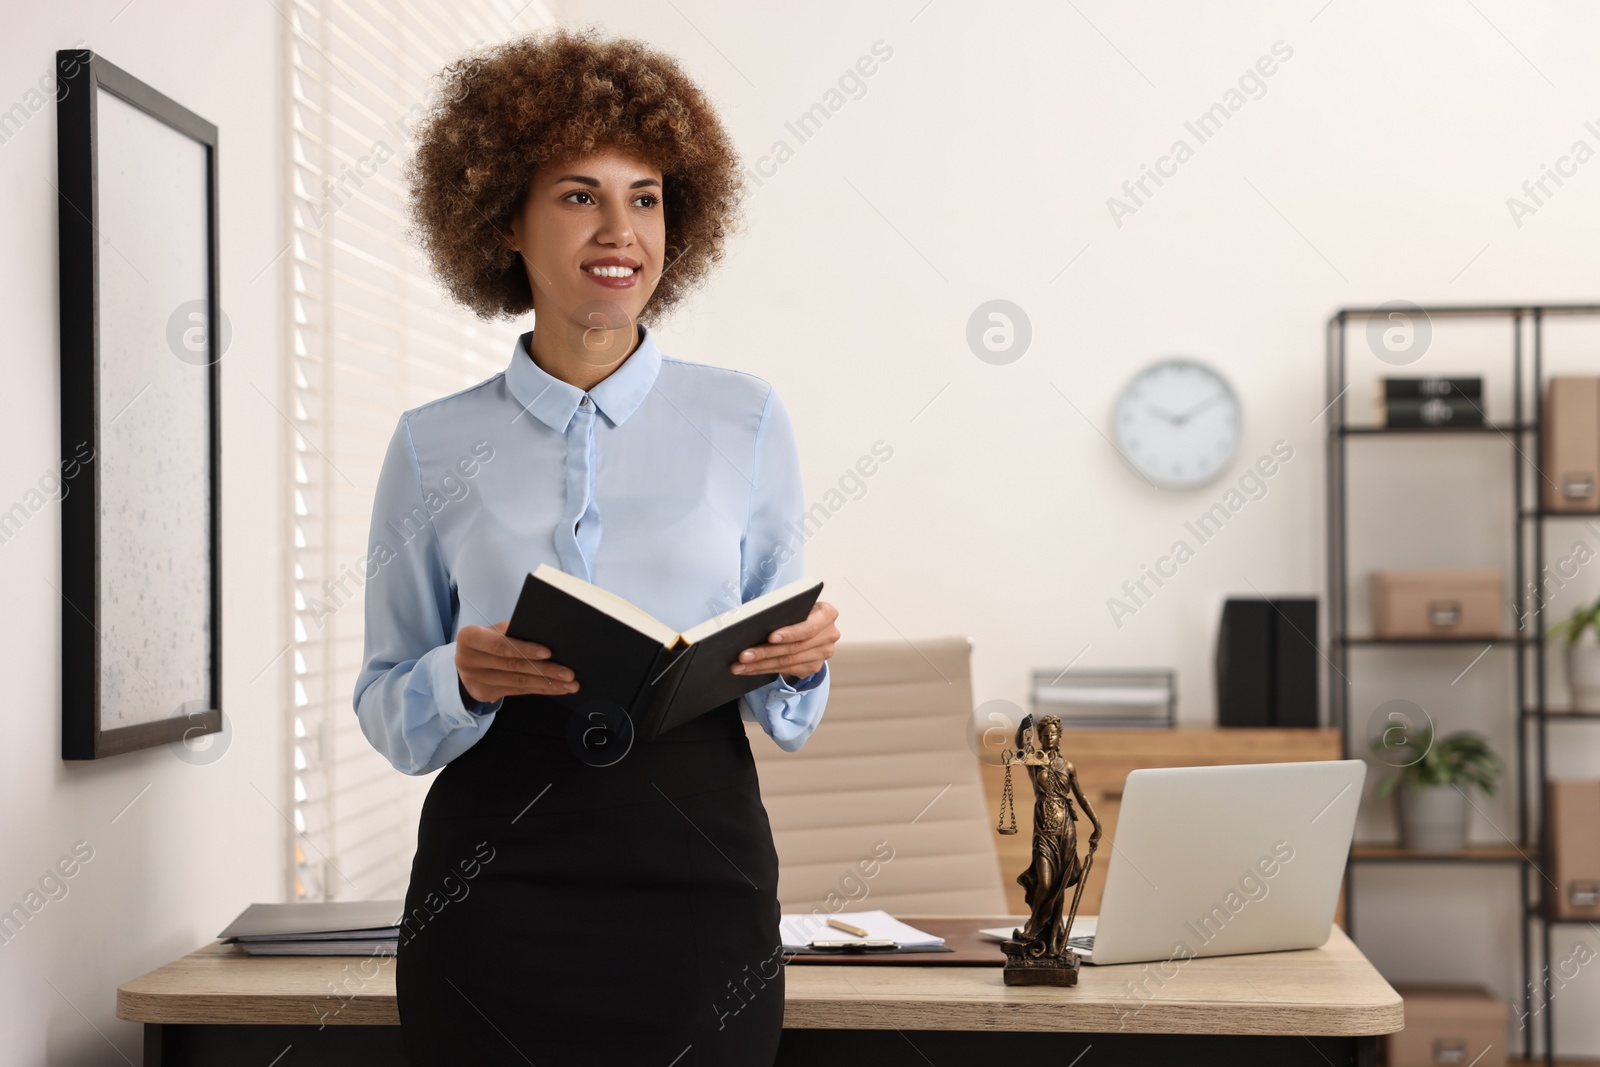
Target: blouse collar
<point x="553" y="401"/>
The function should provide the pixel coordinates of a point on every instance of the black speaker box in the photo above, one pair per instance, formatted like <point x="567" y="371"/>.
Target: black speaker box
<point x="1266" y="666"/>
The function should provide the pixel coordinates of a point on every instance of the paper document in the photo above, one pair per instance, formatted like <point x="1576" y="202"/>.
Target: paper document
<point x="799" y="930"/>
<point x="1082" y="926"/>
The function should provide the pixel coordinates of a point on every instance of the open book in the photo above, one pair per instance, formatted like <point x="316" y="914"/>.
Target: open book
<point x="625" y="657"/>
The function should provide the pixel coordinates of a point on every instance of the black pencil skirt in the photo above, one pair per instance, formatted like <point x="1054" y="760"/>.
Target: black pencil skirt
<point x="579" y="897"/>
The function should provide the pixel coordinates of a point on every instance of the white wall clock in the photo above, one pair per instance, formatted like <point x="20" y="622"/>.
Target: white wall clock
<point x="1178" y="422"/>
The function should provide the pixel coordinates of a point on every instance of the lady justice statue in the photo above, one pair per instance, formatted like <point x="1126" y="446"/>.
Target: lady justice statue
<point x="1038" y="953"/>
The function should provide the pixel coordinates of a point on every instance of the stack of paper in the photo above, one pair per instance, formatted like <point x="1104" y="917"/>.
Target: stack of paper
<point x="1093" y="698"/>
<point x="332" y="928"/>
<point x="799" y="930"/>
<point x="1082" y="926"/>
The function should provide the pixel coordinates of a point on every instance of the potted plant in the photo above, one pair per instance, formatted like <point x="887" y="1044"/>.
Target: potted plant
<point x="1432" y="783"/>
<point x="1582" y="631"/>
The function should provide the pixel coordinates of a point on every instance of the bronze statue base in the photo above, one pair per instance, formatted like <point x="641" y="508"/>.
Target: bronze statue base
<point x="1023" y="969"/>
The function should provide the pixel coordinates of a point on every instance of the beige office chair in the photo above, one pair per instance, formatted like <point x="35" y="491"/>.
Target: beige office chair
<point x="889" y="780"/>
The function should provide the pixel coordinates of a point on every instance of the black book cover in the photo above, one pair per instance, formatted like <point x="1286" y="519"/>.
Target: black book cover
<point x="700" y="679"/>
<point x="1422" y="388"/>
<point x="660" y="685"/>
<point x="610" y="659"/>
<point x="1433" y="411"/>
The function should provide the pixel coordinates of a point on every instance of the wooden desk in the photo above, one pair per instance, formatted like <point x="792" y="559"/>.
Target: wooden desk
<point x="1317" y="1007"/>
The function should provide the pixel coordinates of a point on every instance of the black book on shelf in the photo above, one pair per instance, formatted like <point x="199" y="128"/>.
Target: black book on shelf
<point x="1422" y="388"/>
<point x="625" y="658"/>
<point x="1433" y="411"/>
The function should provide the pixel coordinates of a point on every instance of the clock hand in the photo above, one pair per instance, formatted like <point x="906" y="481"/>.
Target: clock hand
<point x="1174" y="419"/>
<point x="1192" y="412"/>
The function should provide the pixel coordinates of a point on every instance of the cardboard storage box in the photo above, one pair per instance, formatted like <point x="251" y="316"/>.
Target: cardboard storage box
<point x="1572" y="807"/>
<point x="1437" y="603"/>
<point x="1571" y="459"/>
<point x="1449" y="1024"/>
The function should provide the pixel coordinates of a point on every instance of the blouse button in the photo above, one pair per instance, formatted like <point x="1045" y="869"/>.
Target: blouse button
<point x="584" y="402"/>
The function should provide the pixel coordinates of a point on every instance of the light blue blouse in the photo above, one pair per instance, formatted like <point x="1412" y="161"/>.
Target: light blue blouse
<point x="675" y="485"/>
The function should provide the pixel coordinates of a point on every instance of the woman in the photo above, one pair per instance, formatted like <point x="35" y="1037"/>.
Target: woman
<point x="577" y="898"/>
<point x="1056" y="867"/>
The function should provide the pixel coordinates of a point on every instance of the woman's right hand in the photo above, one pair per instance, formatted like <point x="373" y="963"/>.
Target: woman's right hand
<point x="492" y="665"/>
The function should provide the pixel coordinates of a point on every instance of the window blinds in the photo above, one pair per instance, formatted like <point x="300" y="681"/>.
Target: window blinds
<point x="370" y="336"/>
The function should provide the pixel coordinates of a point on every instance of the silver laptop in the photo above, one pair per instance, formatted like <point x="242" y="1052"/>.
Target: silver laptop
<point x="1213" y="861"/>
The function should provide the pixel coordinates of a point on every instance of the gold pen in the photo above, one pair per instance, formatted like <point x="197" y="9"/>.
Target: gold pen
<point x="847" y="928"/>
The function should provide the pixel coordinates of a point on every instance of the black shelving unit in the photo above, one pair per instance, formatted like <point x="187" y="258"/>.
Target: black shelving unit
<point x="1524" y="434"/>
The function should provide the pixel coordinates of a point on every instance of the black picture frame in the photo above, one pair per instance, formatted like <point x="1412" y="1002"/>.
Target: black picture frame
<point x="168" y="523"/>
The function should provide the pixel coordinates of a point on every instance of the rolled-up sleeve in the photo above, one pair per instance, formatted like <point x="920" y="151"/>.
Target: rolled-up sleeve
<point x="407" y="694"/>
<point x="773" y="554"/>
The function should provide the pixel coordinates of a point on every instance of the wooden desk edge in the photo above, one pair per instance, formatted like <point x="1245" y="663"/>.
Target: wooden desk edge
<point x="190" y="1009"/>
<point x="1220" y="1017"/>
<point x="165" y="996"/>
<point x="1382" y="1014"/>
<point x="144" y="1000"/>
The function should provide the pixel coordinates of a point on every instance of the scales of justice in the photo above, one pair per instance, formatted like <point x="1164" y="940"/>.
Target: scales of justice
<point x="1038" y="954"/>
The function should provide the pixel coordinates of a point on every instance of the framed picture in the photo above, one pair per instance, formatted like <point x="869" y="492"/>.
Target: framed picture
<point x="140" y="561"/>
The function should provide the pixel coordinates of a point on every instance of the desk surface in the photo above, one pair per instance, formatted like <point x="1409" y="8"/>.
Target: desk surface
<point x="1331" y="990"/>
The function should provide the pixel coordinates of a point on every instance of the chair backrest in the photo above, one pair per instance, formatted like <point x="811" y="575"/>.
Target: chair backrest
<point x="883" y="806"/>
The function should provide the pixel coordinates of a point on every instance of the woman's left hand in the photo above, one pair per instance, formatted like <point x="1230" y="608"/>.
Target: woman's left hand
<point x="797" y="651"/>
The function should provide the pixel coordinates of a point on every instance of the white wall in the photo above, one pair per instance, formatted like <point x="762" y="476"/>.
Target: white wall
<point x="178" y="847"/>
<point x="978" y="164"/>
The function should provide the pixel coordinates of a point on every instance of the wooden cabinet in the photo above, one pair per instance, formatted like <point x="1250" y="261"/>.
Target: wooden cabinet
<point x="1103" y="759"/>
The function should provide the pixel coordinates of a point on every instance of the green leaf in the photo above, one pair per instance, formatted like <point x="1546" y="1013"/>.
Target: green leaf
<point x="1581" y="619"/>
<point x="1461" y="759"/>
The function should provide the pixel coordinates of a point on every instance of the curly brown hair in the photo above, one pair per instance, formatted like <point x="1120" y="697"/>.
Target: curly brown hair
<point x="546" y="98"/>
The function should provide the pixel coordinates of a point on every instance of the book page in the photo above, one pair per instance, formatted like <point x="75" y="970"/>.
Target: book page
<point x="747" y="609"/>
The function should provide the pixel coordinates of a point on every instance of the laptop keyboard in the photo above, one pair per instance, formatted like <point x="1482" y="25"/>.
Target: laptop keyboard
<point x="1085" y="942"/>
